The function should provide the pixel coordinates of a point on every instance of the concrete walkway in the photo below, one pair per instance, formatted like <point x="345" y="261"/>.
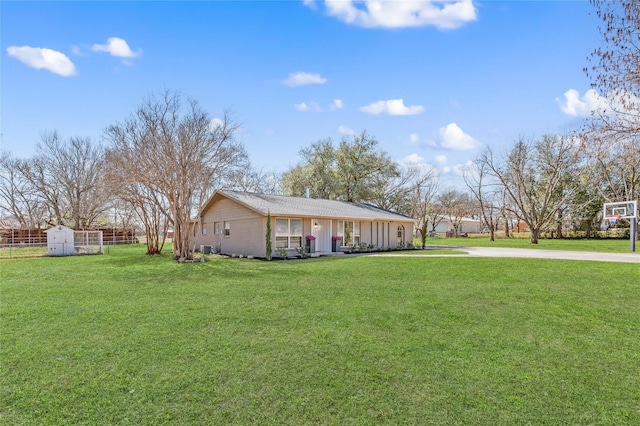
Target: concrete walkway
<point x="535" y="254"/>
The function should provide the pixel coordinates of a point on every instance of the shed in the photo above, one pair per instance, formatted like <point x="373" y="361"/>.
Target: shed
<point x="63" y="241"/>
<point x="60" y="241"/>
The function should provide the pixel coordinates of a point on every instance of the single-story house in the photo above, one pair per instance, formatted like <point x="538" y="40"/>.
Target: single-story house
<point x="467" y="225"/>
<point x="236" y="222"/>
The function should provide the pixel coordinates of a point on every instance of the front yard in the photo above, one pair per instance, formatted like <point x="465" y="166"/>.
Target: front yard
<point x="124" y="338"/>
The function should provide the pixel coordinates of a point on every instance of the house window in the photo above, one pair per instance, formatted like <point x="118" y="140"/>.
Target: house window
<point x="217" y="228"/>
<point x="400" y="239"/>
<point x="204" y="230"/>
<point x="227" y="229"/>
<point x="349" y="231"/>
<point x="288" y="233"/>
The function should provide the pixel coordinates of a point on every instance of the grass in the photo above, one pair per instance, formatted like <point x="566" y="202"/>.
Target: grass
<point x="482" y="240"/>
<point x="14" y="252"/>
<point x="124" y="338"/>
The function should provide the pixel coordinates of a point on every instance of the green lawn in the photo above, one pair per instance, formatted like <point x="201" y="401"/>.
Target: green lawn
<point x="597" y="245"/>
<point x="11" y="252"/>
<point x="124" y="338"/>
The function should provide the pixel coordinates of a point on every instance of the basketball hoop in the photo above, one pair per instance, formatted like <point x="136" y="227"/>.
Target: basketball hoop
<point x="613" y="219"/>
<point x="624" y="210"/>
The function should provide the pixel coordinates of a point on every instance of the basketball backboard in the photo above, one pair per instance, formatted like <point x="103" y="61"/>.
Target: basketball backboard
<point x="621" y="210"/>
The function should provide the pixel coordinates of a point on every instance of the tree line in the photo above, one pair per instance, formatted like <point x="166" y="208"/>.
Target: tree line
<point x="161" y="163"/>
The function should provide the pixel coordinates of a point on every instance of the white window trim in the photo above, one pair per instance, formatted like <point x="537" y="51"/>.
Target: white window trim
<point x="289" y="235"/>
<point x="354" y="236"/>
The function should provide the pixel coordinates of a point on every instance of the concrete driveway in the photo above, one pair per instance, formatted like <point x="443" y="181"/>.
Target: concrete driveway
<point x="533" y="254"/>
<point x="552" y="254"/>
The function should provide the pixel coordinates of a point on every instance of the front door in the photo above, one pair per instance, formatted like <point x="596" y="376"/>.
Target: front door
<point x="321" y="229"/>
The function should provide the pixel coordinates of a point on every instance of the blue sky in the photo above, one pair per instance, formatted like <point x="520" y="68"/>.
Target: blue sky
<point x="434" y="83"/>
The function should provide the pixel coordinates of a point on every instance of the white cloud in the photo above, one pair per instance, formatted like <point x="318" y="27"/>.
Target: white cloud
<point x="414" y="139"/>
<point x="311" y="4"/>
<point x="577" y="106"/>
<point x="452" y="137"/>
<point x="416" y="162"/>
<point x="441" y="159"/>
<point x="337" y="104"/>
<point x="446" y="169"/>
<point x="215" y="123"/>
<point x="302" y="79"/>
<point x="304" y="107"/>
<point x="412" y="159"/>
<point x="392" y="107"/>
<point x="43" y="58"/>
<point x="117" y="47"/>
<point x="460" y="169"/>
<point x="346" y="130"/>
<point x="400" y="14"/>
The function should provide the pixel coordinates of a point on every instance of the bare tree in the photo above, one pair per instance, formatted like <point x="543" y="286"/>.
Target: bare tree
<point x="616" y="169"/>
<point x="536" y="178"/>
<point x="612" y="135"/>
<point x="40" y="176"/>
<point x="457" y="205"/>
<point x="177" y="154"/>
<point x="614" y="69"/>
<point x="18" y="198"/>
<point x="486" y="193"/>
<point x="404" y="192"/>
<point x="76" y="167"/>
<point x="249" y="179"/>
<point x="66" y="178"/>
<point x="422" y="199"/>
<point x="148" y="204"/>
<point x="434" y="214"/>
<point x="506" y="212"/>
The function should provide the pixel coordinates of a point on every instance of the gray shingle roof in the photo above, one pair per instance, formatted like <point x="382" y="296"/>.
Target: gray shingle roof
<point x="297" y="206"/>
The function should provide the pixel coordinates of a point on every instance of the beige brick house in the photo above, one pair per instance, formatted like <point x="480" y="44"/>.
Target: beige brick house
<point x="236" y="222"/>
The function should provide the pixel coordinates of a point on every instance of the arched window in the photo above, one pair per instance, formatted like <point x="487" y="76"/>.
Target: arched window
<point x="400" y="240"/>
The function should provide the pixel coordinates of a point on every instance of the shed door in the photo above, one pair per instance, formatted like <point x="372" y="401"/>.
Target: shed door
<point x="57" y="242"/>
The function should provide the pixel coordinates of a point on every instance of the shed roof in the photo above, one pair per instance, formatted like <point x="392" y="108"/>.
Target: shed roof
<point x="59" y="228"/>
<point x="279" y="205"/>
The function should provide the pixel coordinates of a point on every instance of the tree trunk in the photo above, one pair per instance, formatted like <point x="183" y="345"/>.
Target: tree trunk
<point x="559" y="226"/>
<point x="507" y="233"/>
<point x="535" y="234"/>
<point x="492" y="232"/>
